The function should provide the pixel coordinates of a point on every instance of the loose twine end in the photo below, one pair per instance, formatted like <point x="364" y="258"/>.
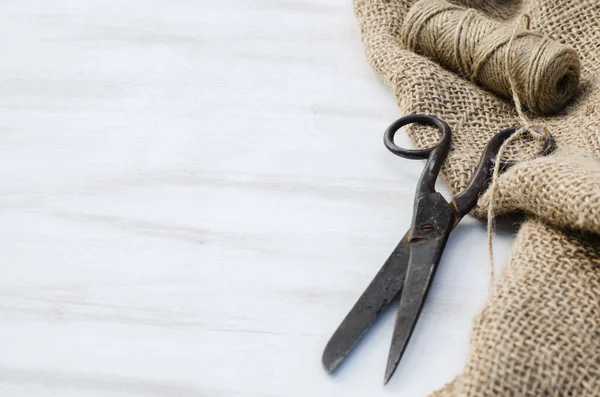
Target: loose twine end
<point x="525" y="128"/>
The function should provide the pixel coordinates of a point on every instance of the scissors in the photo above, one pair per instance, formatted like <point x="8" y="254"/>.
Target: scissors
<point x="410" y="268"/>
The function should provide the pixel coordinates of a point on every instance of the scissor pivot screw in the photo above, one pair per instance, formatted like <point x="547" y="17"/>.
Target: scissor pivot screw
<point x="427" y="228"/>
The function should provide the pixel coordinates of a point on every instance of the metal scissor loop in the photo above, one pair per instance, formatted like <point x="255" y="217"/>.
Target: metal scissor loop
<point x="435" y="155"/>
<point x="410" y="268"/>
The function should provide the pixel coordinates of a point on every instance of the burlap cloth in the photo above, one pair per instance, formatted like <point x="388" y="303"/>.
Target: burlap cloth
<point x="539" y="332"/>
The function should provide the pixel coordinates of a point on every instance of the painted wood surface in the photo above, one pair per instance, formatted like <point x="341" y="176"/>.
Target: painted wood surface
<point x="194" y="193"/>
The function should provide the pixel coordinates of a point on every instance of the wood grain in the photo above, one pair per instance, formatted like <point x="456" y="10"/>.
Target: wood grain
<point x="194" y="194"/>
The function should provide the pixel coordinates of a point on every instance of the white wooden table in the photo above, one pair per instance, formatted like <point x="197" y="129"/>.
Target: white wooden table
<point x="193" y="194"/>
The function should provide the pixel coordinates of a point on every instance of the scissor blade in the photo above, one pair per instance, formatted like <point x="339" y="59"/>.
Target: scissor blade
<point x="424" y="257"/>
<point x="386" y="285"/>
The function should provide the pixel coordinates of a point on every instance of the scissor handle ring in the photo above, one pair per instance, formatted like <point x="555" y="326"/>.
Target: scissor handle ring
<point x="549" y="145"/>
<point x="390" y="132"/>
<point x="467" y="199"/>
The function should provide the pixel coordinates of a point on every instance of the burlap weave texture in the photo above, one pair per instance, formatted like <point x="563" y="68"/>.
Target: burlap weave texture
<point x="539" y="332"/>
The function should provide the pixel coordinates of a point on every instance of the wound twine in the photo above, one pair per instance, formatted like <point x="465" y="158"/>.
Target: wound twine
<point x="545" y="72"/>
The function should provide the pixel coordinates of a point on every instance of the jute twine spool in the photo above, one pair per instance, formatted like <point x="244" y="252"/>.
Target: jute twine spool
<point x="545" y="72"/>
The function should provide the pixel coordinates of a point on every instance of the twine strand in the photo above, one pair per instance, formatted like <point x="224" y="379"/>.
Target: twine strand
<point x="525" y="128"/>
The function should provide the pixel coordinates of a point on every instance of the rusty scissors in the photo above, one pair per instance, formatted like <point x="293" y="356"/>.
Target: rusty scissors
<point x="410" y="268"/>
